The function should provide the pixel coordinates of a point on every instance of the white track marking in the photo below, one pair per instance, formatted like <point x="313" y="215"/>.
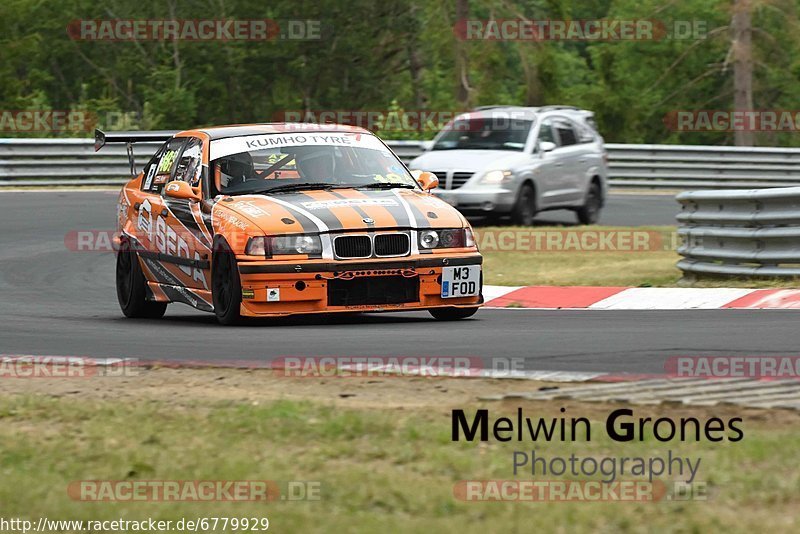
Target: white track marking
<point x="670" y="298"/>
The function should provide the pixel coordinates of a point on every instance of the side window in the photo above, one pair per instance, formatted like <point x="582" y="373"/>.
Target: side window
<point x="161" y="169"/>
<point x="190" y="166"/>
<point x="585" y="134"/>
<point x="566" y="133"/>
<point x="150" y="169"/>
<point x="546" y="132"/>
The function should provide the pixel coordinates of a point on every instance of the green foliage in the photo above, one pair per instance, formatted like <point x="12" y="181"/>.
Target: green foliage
<point x="399" y="55"/>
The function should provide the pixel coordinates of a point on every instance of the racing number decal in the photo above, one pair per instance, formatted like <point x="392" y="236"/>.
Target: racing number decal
<point x="165" y="165"/>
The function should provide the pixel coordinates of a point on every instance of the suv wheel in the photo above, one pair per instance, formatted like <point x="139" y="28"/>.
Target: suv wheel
<point x="525" y="208"/>
<point x="589" y="213"/>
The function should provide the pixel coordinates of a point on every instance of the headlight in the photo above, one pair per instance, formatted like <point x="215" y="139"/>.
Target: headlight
<point x="288" y="244"/>
<point x="449" y="238"/>
<point x="429" y="239"/>
<point x="296" y="244"/>
<point x="496" y="177"/>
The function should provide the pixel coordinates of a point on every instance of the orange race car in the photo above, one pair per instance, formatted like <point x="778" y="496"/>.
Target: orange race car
<point x="278" y="219"/>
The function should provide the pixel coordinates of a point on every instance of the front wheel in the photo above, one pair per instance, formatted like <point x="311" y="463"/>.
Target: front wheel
<point x="589" y="213"/>
<point x="226" y="287"/>
<point x="132" y="287"/>
<point x="524" y="210"/>
<point x="452" y="314"/>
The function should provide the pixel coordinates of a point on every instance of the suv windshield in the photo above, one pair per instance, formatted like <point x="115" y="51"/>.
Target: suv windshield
<point x="295" y="161"/>
<point x="484" y="134"/>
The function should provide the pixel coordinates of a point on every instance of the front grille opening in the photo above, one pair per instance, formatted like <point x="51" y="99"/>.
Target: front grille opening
<point x="353" y="246"/>
<point x="392" y="245"/>
<point x="460" y="178"/>
<point x="373" y="290"/>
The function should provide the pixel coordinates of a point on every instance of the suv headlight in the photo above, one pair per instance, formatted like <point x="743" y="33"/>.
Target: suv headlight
<point x="287" y="244"/>
<point x="496" y="177"/>
<point x="447" y="238"/>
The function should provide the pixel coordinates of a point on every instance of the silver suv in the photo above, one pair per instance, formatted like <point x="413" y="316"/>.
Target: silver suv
<point x="517" y="161"/>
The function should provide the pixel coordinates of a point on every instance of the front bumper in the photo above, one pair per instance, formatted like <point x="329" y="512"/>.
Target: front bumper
<point x="478" y="200"/>
<point x="303" y="287"/>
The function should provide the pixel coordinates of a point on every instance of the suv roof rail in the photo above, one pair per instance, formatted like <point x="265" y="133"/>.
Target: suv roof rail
<point x="555" y="108"/>
<point x="481" y="108"/>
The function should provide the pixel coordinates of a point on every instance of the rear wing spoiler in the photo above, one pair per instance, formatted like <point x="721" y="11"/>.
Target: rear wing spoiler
<point x="101" y="138"/>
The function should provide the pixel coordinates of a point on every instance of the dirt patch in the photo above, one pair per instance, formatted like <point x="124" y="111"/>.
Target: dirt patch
<point x="186" y="387"/>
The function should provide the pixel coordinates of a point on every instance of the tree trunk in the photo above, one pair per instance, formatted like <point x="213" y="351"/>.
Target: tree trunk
<point x="462" y="60"/>
<point x="415" y="62"/>
<point x="742" y="66"/>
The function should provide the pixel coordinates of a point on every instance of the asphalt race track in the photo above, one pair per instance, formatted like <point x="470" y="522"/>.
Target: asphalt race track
<point x="59" y="302"/>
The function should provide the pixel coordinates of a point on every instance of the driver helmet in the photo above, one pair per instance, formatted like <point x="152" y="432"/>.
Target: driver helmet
<point x="236" y="169"/>
<point x="316" y="163"/>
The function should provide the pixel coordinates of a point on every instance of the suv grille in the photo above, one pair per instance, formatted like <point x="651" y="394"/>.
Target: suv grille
<point x="353" y="246"/>
<point x="460" y="178"/>
<point x="392" y="244"/>
<point x="373" y="290"/>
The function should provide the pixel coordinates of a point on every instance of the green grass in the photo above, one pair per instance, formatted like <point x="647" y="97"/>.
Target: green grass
<point x="653" y="267"/>
<point x="380" y="470"/>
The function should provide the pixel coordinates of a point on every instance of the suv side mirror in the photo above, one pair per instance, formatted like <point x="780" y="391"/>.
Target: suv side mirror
<point x="546" y="146"/>
<point x="182" y="190"/>
<point x="427" y="180"/>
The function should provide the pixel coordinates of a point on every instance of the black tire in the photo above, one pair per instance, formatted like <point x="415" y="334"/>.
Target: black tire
<point x="525" y="207"/>
<point x="132" y="288"/>
<point x="226" y="287"/>
<point x="452" y="314"/>
<point x="589" y="213"/>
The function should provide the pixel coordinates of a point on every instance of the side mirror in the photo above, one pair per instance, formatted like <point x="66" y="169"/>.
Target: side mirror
<point x="182" y="190"/>
<point x="427" y="180"/>
<point x="546" y="146"/>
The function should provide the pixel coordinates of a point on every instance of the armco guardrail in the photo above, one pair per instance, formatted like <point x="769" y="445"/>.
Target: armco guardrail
<point x="740" y="233"/>
<point x="64" y="161"/>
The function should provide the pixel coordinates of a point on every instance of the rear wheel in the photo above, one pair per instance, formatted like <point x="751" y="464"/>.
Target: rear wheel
<point x="589" y="213"/>
<point x="226" y="287"/>
<point x="525" y="208"/>
<point x="132" y="287"/>
<point x="452" y="314"/>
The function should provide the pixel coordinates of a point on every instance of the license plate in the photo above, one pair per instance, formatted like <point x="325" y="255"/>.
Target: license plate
<point x="461" y="281"/>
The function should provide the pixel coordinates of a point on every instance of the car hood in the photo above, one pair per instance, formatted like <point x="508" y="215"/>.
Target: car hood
<point x="344" y="209"/>
<point x="468" y="160"/>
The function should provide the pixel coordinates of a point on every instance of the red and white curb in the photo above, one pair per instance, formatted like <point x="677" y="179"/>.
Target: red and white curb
<point x="639" y="298"/>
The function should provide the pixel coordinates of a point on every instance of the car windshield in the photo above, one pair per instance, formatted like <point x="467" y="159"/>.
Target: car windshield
<point x="484" y="134"/>
<point x="296" y="161"/>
